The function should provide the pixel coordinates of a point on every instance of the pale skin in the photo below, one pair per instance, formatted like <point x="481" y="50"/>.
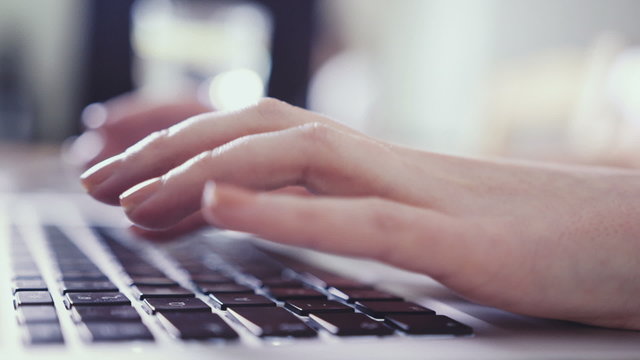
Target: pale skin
<point x="552" y="241"/>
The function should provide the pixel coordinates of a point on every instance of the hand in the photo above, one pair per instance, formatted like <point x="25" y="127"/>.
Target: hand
<point x="121" y="122"/>
<point x="549" y="241"/>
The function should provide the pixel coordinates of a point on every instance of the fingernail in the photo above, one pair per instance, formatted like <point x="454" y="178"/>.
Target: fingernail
<point x="138" y="194"/>
<point x="209" y="195"/>
<point x="100" y="172"/>
<point x="221" y="200"/>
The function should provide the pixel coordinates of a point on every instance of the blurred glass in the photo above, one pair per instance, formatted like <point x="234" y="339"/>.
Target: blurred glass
<point x="219" y="47"/>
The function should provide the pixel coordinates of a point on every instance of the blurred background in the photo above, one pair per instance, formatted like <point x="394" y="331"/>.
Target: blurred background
<point x="541" y="79"/>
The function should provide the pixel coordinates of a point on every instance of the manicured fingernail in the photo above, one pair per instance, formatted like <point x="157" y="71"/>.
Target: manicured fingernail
<point x="100" y="172"/>
<point x="209" y="195"/>
<point x="223" y="202"/>
<point x="138" y="194"/>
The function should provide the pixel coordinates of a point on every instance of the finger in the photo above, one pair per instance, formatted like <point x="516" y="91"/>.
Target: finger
<point x="164" y="150"/>
<point x="322" y="159"/>
<point x="124" y="120"/>
<point x="191" y="223"/>
<point x="195" y="221"/>
<point x="119" y="135"/>
<point x="412" y="238"/>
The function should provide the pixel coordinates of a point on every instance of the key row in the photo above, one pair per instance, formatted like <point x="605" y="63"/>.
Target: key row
<point x="100" y="312"/>
<point x="35" y="312"/>
<point x="304" y="291"/>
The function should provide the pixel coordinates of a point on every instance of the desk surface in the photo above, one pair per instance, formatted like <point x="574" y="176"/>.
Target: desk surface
<point x="22" y="167"/>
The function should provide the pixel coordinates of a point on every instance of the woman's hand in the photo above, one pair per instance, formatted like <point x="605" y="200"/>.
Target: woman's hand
<point x="547" y="241"/>
<point x="121" y="122"/>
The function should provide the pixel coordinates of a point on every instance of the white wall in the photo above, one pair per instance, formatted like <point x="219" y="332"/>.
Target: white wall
<point x="433" y="58"/>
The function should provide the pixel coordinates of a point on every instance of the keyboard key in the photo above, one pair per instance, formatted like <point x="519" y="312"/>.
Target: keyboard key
<point x="24" y="267"/>
<point x="145" y="292"/>
<point x="116" y="331"/>
<point x="26" y="273"/>
<point x="104" y="313"/>
<point x="80" y="276"/>
<point x="280" y="283"/>
<point x="223" y="301"/>
<point x="350" y="324"/>
<point x="151" y="281"/>
<point x="29" y="285"/>
<point x="102" y="299"/>
<point x="185" y="325"/>
<point x="214" y="278"/>
<point x="224" y="288"/>
<point x="37" y="314"/>
<point x="30" y="277"/>
<point x="142" y="270"/>
<point x="378" y="309"/>
<point x="353" y="295"/>
<point x="305" y="307"/>
<point x="295" y="293"/>
<point x="87" y="286"/>
<point x="42" y="333"/>
<point x="326" y="280"/>
<point x="154" y="305"/>
<point x="273" y="321"/>
<point x="422" y="324"/>
<point x="33" y="298"/>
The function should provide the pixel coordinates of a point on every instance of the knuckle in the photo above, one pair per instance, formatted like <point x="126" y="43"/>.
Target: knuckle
<point x="382" y="220"/>
<point x="199" y="163"/>
<point x="390" y="225"/>
<point x="271" y="109"/>
<point x="317" y="134"/>
<point x="154" y="142"/>
<point x="313" y="137"/>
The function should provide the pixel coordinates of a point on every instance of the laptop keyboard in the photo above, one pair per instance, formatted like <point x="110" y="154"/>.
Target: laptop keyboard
<point x="206" y="290"/>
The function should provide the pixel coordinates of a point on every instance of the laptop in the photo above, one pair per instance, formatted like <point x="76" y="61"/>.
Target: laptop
<point x="76" y="284"/>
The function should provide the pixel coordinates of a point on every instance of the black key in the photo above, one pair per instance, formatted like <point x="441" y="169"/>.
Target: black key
<point x="211" y="278"/>
<point x="88" y="286"/>
<point x="143" y="270"/>
<point x="29" y="285"/>
<point x="295" y="293"/>
<point x="24" y="267"/>
<point x="280" y="283"/>
<point x="116" y="331"/>
<point x="224" y="288"/>
<point x="104" y="313"/>
<point x="378" y="309"/>
<point x="350" y="324"/>
<point x="145" y="292"/>
<point x="196" y="268"/>
<point x="33" y="298"/>
<point x="102" y="299"/>
<point x="273" y="321"/>
<point x="26" y="273"/>
<point x="201" y="326"/>
<point x="422" y="324"/>
<point x="175" y="304"/>
<point x="151" y="281"/>
<point x="37" y="314"/>
<point x="353" y="295"/>
<point x="42" y="333"/>
<point x="80" y="276"/>
<point x="30" y="277"/>
<point x="316" y="306"/>
<point x="326" y="280"/>
<point x="223" y="301"/>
